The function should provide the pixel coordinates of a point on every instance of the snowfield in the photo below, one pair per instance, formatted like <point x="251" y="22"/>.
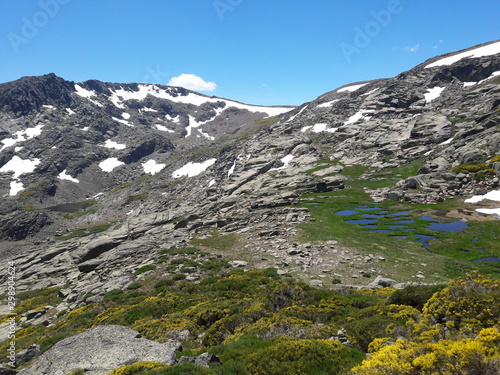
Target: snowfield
<point x="171" y="93"/>
<point x="433" y="93"/>
<point x="21" y="136"/>
<point x="193" y="169"/>
<point x="351" y="88"/>
<point x="109" y="164"/>
<point x="65" y="176"/>
<point x="152" y="167"/>
<point x="490" y="49"/>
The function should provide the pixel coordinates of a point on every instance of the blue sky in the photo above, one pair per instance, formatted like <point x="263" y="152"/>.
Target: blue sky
<point x="259" y="52"/>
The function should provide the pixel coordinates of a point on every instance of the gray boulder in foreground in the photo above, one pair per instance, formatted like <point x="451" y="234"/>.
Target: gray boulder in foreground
<point x="100" y="350"/>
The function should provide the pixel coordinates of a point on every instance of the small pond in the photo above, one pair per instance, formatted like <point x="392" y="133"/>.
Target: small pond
<point x="397" y="222"/>
<point x="454" y="226"/>
<point x="424" y="239"/>
<point x="487" y="259"/>
<point x="362" y="221"/>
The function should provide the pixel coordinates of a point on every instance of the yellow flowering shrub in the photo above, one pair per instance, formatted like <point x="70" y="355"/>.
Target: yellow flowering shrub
<point x="139" y="366"/>
<point x="461" y="357"/>
<point x="470" y="301"/>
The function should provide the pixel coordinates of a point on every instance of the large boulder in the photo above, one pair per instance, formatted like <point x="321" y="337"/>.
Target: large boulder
<point x="99" y="350"/>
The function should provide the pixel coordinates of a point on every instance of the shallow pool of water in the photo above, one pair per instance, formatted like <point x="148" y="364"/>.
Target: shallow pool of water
<point x="487" y="259"/>
<point x="347" y="212"/>
<point x="362" y="221"/>
<point x="454" y="226"/>
<point x="424" y="239"/>
<point x="428" y="218"/>
<point x="399" y="213"/>
<point x="381" y="231"/>
<point x="400" y="237"/>
<point x="404" y="221"/>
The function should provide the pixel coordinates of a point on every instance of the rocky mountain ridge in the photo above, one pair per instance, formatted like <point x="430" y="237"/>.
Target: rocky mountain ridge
<point x="98" y="178"/>
<point x="119" y="171"/>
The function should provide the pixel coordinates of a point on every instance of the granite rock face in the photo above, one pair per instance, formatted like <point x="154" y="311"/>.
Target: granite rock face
<point x="100" y="350"/>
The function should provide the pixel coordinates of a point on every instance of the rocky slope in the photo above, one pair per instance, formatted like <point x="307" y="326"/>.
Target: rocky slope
<point x="98" y="177"/>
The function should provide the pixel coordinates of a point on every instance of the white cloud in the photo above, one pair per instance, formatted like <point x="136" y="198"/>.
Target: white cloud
<point x="192" y="82"/>
<point x="414" y="48"/>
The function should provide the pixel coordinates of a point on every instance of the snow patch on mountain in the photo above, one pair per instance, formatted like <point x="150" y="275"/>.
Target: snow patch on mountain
<point x="21" y="136"/>
<point x="124" y="122"/>
<point x="193" y="124"/>
<point x="109" y="164"/>
<point x="175" y="119"/>
<point x="360" y="115"/>
<point x="433" y="93"/>
<point x="87" y="94"/>
<point x="114" y="145"/>
<point x="488" y="50"/>
<point x="351" y="88"/>
<point x="193" y="169"/>
<point x="328" y="104"/>
<point x="119" y="96"/>
<point x="286" y="161"/>
<point x="164" y="128"/>
<point x="493" y="75"/>
<point x="152" y="167"/>
<point x="231" y="170"/>
<point x="298" y="114"/>
<point x="65" y="176"/>
<point x="492" y="196"/>
<point x="15" y="188"/>
<point x="20" y="166"/>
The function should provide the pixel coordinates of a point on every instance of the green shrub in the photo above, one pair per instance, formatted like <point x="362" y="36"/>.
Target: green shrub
<point x="362" y="330"/>
<point x="479" y="176"/>
<point x="178" y="251"/>
<point x="414" y="296"/>
<point x="179" y="276"/>
<point x="214" y="265"/>
<point x="149" y="267"/>
<point x="164" y="284"/>
<point x="134" y="285"/>
<point x="303" y="357"/>
<point x="112" y="294"/>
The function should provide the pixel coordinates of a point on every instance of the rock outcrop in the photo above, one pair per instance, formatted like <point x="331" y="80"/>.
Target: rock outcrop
<point x="99" y="350"/>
